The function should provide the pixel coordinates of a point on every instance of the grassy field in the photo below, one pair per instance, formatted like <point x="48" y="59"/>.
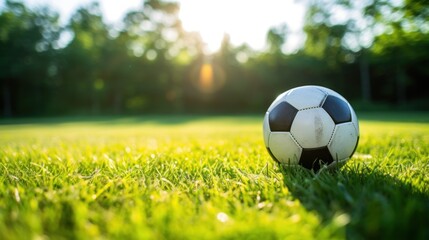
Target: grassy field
<point x="206" y="178"/>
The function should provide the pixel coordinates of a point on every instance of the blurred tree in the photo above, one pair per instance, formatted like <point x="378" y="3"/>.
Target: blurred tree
<point x="152" y="37"/>
<point x="367" y="27"/>
<point x="149" y="63"/>
<point x="274" y="59"/>
<point x="117" y="63"/>
<point x="339" y="32"/>
<point x="400" y="51"/>
<point x="325" y="42"/>
<point x="228" y="78"/>
<point x="276" y="37"/>
<point x="27" y="39"/>
<point x="80" y="60"/>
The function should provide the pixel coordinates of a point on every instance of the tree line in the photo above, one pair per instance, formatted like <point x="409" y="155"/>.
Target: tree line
<point x="377" y="55"/>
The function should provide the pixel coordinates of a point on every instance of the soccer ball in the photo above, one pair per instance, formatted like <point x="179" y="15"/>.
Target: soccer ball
<point x="311" y="126"/>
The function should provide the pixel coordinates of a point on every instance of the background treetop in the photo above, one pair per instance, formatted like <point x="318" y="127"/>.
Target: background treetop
<point x="372" y="52"/>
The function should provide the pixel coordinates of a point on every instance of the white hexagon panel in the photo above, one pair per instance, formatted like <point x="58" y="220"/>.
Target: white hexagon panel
<point x="312" y="128"/>
<point x="305" y="97"/>
<point x="266" y="129"/>
<point x="355" y="120"/>
<point x="283" y="148"/>
<point x="344" y="141"/>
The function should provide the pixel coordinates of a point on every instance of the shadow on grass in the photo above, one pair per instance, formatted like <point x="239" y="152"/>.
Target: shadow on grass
<point x="373" y="204"/>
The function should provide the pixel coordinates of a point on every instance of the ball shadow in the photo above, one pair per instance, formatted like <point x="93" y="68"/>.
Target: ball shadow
<point x="372" y="204"/>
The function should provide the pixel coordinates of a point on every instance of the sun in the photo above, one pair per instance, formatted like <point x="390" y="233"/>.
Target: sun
<point x="244" y="21"/>
<point x="203" y="17"/>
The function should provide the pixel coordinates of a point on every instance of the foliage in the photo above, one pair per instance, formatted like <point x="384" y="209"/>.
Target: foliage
<point x="150" y="64"/>
<point x="27" y="56"/>
<point x="164" y="177"/>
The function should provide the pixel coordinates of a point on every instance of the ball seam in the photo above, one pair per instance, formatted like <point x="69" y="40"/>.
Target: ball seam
<point x="308" y="108"/>
<point x="296" y="141"/>
<point x="323" y="100"/>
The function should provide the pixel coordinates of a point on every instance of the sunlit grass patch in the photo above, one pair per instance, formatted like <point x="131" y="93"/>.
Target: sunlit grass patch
<point x="204" y="178"/>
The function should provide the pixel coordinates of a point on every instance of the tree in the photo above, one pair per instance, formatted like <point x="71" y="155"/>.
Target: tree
<point x="80" y="59"/>
<point x="276" y="37"/>
<point x="400" y="49"/>
<point x="152" y="36"/>
<point x="26" y="42"/>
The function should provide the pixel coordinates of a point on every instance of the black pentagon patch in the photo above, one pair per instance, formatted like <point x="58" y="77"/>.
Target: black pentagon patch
<point x="338" y="109"/>
<point x="315" y="157"/>
<point x="272" y="155"/>
<point x="281" y="117"/>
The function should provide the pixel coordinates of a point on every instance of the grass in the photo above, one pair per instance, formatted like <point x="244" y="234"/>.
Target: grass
<point x="206" y="178"/>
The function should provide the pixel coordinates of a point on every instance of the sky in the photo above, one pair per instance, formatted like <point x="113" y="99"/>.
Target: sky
<point x="246" y="21"/>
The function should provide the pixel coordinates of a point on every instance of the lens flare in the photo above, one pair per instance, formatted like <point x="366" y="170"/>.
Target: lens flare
<point x="206" y="77"/>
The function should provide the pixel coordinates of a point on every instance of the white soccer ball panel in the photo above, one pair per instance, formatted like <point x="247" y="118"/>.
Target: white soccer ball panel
<point x="284" y="148"/>
<point x="305" y="97"/>
<point x="343" y="141"/>
<point x="312" y="128"/>
<point x="266" y="129"/>
<point x="354" y="119"/>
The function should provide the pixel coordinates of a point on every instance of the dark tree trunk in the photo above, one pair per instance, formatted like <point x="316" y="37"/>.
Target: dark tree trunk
<point x="7" y="101"/>
<point x="401" y="80"/>
<point x="365" y="77"/>
<point x="118" y="103"/>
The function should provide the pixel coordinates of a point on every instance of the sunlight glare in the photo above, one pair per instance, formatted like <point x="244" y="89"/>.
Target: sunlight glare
<point x="206" y="77"/>
<point x="203" y="17"/>
<point x="244" y="21"/>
